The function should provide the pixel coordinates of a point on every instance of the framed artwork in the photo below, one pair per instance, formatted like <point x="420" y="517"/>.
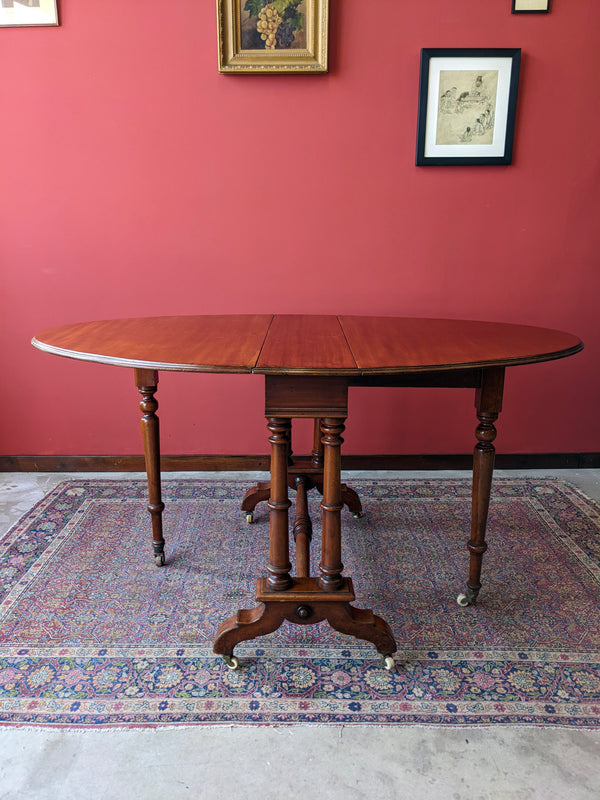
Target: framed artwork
<point x="258" y="36"/>
<point x="467" y="105"/>
<point x="28" y="12"/>
<point x="530" y="6"/>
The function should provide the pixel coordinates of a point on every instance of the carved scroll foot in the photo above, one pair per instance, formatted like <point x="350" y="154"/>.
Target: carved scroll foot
<point x="305" y="603"/>
<point x="246" y="624"/>
<point x="362" y="623"/>
<point x="257" y="494"/>
<point x="351" y="499"/>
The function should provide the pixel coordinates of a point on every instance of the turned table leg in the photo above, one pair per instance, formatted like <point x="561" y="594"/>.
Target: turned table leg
<point x="488" y="404"/>
<point x="146" y="381"/>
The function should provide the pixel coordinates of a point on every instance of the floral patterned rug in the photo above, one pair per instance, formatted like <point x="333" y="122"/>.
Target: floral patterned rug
<point x="92" y="633"/>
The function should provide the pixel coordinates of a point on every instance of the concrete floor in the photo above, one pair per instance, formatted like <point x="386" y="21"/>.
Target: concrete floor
<point x="296" y="762"/>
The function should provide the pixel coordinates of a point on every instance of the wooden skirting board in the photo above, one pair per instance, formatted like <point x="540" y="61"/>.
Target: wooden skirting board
<point x="221" y="463"/>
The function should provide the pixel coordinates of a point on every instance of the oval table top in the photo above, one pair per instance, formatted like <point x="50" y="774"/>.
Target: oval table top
<point x="305" y="344"/>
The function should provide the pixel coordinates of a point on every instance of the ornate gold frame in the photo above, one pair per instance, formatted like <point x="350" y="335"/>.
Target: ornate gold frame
<point x="232" y="59"/>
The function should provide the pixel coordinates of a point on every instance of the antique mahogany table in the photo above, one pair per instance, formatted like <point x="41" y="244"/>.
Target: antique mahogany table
<point x="309" y="363"/>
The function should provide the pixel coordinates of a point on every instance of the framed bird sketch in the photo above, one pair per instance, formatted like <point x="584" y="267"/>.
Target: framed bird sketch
<point x="467" y="106"/>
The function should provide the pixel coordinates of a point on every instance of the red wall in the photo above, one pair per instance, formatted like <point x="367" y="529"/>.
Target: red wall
<point x="135" y="180"/>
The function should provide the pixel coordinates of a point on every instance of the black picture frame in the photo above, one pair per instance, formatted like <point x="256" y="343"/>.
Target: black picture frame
<point x="472" y="121"/>
<point x="545" y="10"/>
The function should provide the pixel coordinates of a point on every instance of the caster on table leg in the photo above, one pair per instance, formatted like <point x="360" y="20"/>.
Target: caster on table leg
<point x="232" y="662"/>
<point x="249" y="517"/>
<point x="467" y="599"/>
<point x="357" y="514"/>
<point x="387" y="662"/>
<point x="159" y="559"/>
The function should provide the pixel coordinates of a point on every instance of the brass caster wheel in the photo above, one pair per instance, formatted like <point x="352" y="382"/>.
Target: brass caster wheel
<point x="357" y="514"/>
<point x="467" y="599"/>
<point x="232" y="662"/>
<point x="388" y="662"/>
<point x="159" y="559"/>
<point x="249" y="517"/>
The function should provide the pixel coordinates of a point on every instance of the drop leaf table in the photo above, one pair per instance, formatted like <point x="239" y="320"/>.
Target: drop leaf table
<point x="309" y="363"/>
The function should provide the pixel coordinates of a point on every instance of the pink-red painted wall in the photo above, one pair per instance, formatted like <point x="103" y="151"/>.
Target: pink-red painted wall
<point x="135" y="180"/>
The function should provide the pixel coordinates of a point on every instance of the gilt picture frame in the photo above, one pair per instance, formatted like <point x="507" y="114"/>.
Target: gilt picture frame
<point x="467" y="106"/>
<point x="272" y="36"/>
<point x="28" y="13"/>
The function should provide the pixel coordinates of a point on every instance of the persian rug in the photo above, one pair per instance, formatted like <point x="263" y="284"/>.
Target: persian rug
<point x="92" y="633"/>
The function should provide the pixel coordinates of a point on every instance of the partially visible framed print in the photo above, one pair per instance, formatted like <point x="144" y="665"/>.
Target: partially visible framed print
<point x="467" y="106"/>
<point x="258" y="36"/>
<point x="530" y="6"/>
<point x="28" y="12"/>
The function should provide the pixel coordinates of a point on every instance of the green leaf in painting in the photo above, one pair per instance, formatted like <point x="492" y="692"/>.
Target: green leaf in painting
<point x="280" y="5"/>
<point x="293" y="16"/>
<point x="253" y="7"/>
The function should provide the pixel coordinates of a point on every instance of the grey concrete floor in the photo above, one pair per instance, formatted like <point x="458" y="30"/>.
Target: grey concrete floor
<point x="303" y="761"/>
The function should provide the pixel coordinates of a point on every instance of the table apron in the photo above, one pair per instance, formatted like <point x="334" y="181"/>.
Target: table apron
<point x="468" y="378"/>
<point x="327" y="396"/>
<point x="306" y="396"/>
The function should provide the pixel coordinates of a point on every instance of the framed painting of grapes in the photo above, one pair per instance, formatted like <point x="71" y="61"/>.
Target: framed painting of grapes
<point x="256" y="36"/>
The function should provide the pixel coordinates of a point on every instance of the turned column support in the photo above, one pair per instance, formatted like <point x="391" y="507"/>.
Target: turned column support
<point x="278" y="504"/>
<point x="302" y="529"/>
<point x="331" y="565"/>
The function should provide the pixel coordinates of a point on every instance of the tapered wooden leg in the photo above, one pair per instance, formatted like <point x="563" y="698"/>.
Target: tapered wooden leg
<point x="488" y="404"/>
<point x="147" y="381"/>
<point x="331" y="557"/>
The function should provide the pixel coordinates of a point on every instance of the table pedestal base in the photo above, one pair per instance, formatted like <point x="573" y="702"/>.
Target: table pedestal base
<point x="304" y="603"/>
<point x="304" y="600"/>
